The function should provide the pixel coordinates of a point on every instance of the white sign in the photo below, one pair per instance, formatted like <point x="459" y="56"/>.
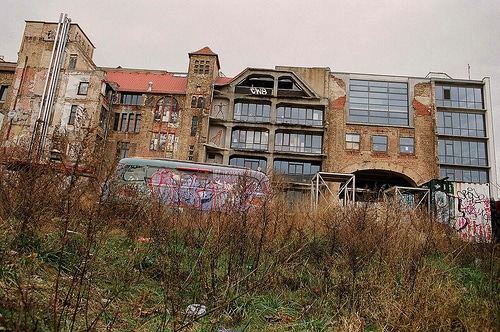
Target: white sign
<point x="258" y="91"/>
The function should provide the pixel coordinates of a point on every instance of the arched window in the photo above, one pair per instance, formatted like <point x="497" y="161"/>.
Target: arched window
<point x="200" y="102"/>
<point x="167" y="110"/>
<point x="193" y="102"/>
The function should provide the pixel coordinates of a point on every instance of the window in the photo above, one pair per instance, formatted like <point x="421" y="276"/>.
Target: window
<point x="257" y="164"/>
<point x="297" y="142"/>
<point x="298" y="171"/>
<point x="299" y="115"/>
<point x="197" y="102"/>
<point x="252" y="112"/>
<point x="379" y="143"/>
<point x="461" y="124"/>
<point x="162" y="142"/>
<point x="127" y="122"/>
<point x="464" y="174"/>
<point x="72" y="61"/>
<point x="3" y="92"/>
<point x="249" y="139"/>
<point x="459" y="96"/>
<point x="158" y="141"/>
<point x="258" y="82"/>
<point x="287" y="83"/>
<point x="72" y="115"/>
<point x="194" y="125"/>
<point x="123" y="149"/>
<point x="287" y="87"/>
<point x="103" y="117"/>
<point x="167" y="110"/>
<point x="407" y="145"/>
<point x="201" y="67"/>
<point x="352" y="141"/>
<point x="462" y="152"/>
<point x="83" y="88"/>
<point x="191" y="152"/>
<point x="378" y="102"/>
<point x="131" y="99"/>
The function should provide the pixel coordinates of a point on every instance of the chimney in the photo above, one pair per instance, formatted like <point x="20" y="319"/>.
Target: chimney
<point x="150" y="86"/>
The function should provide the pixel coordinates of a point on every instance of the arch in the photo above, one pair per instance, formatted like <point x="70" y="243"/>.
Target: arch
<point x="378" y="174"/>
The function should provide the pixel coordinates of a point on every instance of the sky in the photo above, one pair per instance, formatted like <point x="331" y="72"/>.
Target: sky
<point x="394" y="37"/>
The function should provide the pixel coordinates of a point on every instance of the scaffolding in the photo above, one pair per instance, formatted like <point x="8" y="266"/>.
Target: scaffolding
<point x="410" y="197"/>
<point x="321" y="189"/>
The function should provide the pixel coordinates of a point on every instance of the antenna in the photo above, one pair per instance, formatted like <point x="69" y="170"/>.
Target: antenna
<point x="468" y="70"/>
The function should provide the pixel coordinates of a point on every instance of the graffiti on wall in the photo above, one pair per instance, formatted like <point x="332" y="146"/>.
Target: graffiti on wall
<point x="465" y="207"/>
<point x="474" y="212"/>
<point x="201" y="191"/>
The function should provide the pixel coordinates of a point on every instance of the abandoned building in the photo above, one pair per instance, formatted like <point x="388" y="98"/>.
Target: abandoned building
<point x="386" y="130"/>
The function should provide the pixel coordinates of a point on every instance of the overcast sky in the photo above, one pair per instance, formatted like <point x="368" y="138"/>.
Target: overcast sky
<point x="398" y="37"/>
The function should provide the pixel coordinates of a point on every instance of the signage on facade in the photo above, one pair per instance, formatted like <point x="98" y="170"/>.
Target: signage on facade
<point x="258" y="91"/>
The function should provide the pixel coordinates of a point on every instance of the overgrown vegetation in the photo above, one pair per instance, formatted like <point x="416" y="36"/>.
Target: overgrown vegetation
<point x="72" y="259"/>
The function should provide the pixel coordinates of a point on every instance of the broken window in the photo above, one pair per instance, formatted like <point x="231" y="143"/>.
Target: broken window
<point x="263" y="81"/>
<point x="459" y="96"/>
<point x="158" y="141"/>
<point x="286" y="83"/>
<point x="167" y="110"/>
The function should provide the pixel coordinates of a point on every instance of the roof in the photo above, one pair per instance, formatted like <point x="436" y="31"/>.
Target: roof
<point x="139" y="81"/>
<point x="8" y="66"/>
<point x="206" y="51"/>
<point x="223" y="80"/>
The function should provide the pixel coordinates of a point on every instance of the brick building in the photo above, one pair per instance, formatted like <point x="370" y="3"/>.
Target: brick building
<point x="387" y="130"/>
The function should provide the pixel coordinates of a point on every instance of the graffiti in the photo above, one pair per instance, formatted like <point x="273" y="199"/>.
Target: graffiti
<point x="197" y="190"/>
<point x="467" y="211"/>
<point x="474" y="214"/>
<point x="258" y="91"/>
<point x="216" y="138"/>
<point x="443" y="210"/>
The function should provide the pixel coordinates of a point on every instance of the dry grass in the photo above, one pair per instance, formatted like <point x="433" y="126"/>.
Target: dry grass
<point x="70" y="259"/>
